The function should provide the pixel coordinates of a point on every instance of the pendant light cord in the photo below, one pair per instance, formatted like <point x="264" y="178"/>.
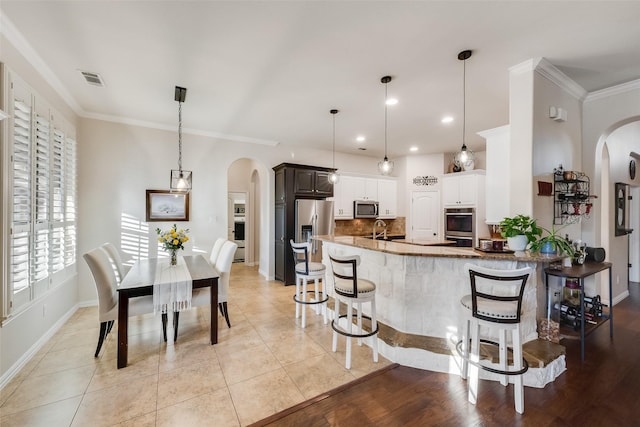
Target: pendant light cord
<point x="464" y="100"/>
<point x="385" y="119"/>
<point x="180" y="137"/>
<point x="334" y="141"/>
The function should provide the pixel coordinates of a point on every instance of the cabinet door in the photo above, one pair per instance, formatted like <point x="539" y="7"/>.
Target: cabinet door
<point x="467" y="190"/>
<point x="280" y="246"/>
<point x="366" y="188"/>
<point x="280" y="193"/>
<point x="344" y="192"/>
<point x="304" y="182"/>
<point x="322" y="185"/>
<point x="450" y="191"/>
<point x="388" y="198"/>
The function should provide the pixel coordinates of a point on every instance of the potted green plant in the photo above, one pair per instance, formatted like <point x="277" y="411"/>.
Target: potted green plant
<point x="553" y="242"/>
<point x="519" y="231"/>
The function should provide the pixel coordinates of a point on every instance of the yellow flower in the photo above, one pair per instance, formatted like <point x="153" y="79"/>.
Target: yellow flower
<point x="160" y="239"/>
<point x="174" y="234"/>
<point x="175" y="242"/>
<point x="185" y="238"/>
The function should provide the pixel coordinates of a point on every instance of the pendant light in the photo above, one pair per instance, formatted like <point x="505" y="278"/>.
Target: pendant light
<point x="334" y="177"/>
<point x="385" y="166"/>
<point x="464" y="159"/>
<point x="180" y="179"/>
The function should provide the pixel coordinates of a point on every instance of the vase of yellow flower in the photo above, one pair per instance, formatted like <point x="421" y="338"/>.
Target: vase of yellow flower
<point x="172" y="240"/>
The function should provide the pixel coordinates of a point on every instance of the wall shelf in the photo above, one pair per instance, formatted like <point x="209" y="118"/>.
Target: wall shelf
<point x="572" y="199"/>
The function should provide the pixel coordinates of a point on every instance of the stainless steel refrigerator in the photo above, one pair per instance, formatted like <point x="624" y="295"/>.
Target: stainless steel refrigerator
<point x="314" y="217"/>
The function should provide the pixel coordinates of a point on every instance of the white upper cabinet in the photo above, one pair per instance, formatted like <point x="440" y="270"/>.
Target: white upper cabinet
<point x="388" y="198"/>
<point x="366" y="189"/>
<point x="344" y="195"/>
<point x="351" y="188"/>
<point x="462" y="190"/>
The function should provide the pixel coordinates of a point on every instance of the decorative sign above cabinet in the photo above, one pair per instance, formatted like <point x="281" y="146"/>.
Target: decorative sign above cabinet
<point x="425" y="180"/>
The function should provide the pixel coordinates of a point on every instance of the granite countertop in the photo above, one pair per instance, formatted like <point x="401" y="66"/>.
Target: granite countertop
<point x="395" y="247"/>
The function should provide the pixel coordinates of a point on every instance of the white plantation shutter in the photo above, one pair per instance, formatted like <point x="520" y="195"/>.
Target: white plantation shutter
<point x="42" y="184"/>
<point x="21" y="184"/>
<point x="56" y="247"/>
<point x="70" y="207"/>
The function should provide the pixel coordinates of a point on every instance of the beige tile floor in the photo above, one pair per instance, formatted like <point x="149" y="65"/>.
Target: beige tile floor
<point x="263" y="364"/>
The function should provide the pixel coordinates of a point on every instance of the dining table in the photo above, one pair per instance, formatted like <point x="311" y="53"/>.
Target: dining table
<point x="139" y="281"/>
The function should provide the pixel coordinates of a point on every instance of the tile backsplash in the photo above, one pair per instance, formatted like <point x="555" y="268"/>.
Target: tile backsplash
<point x="364" y="226"/>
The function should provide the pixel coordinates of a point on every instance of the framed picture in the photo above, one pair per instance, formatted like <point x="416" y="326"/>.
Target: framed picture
<point x="163" y="205"/>
<point x="621" y="212"/>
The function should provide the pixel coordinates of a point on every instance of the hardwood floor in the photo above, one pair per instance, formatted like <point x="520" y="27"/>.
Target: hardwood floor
<point x="602" y="391"/>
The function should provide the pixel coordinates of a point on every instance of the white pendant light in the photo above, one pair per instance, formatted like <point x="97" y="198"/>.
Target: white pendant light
<point x="385" y="166"/>
<point x="180" y="179"/>
<point x="465" y="158"/>
<point x="334" y="177"/>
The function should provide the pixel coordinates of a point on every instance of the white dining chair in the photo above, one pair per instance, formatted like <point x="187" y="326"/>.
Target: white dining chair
<point x="106" y="284"/>
<point x="116" y="259"/>
<point x="202" y="296"/>
<point x="215" y="251"/>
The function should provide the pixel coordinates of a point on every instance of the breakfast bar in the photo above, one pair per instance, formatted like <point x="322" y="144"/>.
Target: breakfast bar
<point x="418" y="296"/>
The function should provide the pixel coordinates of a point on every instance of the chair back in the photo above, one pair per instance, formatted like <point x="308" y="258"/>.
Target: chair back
<point x="496" y="295"/>
<point x="105" y="280"/>
<point x="301" y="253"/>
<point x="345" y="269"/>
<point x="223" y="265"/>
<point x="215" y="251"/>
<point x="116" y="260"/>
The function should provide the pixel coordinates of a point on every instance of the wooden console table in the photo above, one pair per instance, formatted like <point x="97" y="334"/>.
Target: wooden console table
<point x="580" y="272"/>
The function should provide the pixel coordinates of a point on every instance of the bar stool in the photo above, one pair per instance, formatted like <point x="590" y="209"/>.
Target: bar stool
<point x="308" y="270"/>
<point x="496" y="303"/>
<point x="350" y="289"/>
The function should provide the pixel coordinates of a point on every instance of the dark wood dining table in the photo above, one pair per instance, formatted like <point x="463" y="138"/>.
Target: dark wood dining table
<point x="139" y="282"/>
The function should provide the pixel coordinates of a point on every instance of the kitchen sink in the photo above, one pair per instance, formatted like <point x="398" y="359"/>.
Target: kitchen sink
<point x="388" y="238"/>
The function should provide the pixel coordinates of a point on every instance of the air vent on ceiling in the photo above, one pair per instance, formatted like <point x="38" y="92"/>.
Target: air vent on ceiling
<point x="92" y="78"/>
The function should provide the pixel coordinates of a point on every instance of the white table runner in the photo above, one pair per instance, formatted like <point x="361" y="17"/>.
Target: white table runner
<point x="172" y="287"/>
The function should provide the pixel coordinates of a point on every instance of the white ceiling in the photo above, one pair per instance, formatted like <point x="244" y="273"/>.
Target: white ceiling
<point x="269" y="71"/>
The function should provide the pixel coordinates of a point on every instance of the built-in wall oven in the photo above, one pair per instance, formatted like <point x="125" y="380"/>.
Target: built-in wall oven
<point x="459" y="226"/>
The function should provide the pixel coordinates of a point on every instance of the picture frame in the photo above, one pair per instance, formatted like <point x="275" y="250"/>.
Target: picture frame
<point x="621" y="209"/>
<point x="164" y="205"/>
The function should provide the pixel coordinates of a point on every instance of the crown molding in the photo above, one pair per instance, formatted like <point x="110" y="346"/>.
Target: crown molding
<point x="549" y="71"/>
<point x="22" y="45"/>
<point x="613" y="90"/>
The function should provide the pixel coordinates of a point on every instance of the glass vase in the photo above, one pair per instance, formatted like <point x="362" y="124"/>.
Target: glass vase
<point x="174" y="257"/>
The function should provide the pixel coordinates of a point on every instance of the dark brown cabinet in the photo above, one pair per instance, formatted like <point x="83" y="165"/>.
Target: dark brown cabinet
<point x="312" y="183"/>
<point x="293" y="181"/>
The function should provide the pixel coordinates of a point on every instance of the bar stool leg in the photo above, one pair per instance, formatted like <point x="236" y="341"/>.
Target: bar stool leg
<point x="316" y="283"/>
<point x="504" y="380"/>
<point x="518" y="383"/>
<point x="374" y="326"/>
<point x="336" y="318"/>
<point x="359" y="313"/>
<point x="304" y="298"/>
<point x="324" y="296"/>
<point x="350" y="331"/>
<point x="297" y="296"/>
<point x="465" y="348"/>
<point x="475" y="358"/>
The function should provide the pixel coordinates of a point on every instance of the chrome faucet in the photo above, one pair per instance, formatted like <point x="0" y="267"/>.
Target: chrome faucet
<point x="380" y="223"/>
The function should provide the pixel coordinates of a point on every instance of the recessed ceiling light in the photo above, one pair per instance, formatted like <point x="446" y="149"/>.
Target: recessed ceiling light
<point x="392" y="101"/>
<point x="360" y="138"/>
<point x="413" y="149"/>
<point x="447" y="119"/>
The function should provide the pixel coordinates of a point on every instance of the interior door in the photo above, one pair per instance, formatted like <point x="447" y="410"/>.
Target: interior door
<point x="425" y="215"/>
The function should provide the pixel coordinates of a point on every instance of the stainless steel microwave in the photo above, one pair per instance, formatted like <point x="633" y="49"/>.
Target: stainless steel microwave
<point x="365" y="209"/>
